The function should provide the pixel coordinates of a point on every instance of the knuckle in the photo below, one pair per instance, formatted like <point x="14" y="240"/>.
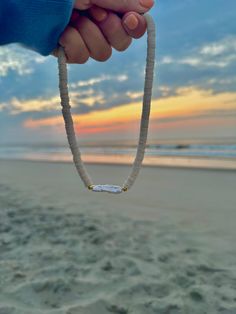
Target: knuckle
<point x="115" y="26"/>
<point x="112" y="24"/>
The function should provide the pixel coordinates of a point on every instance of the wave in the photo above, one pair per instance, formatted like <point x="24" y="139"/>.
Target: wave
<point x="156" y="154"/>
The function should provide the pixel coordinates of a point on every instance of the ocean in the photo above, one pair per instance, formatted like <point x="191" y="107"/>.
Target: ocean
<point x="182" y="154"/>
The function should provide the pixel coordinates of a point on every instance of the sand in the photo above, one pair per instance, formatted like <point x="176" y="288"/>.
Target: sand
<point x="167" y="246"/>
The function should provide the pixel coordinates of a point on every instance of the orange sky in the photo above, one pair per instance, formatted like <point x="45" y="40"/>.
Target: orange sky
<point x="190" y="106"/>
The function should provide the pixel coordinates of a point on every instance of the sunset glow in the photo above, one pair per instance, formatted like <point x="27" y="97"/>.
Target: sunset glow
<point x="194" y="94"/>
<point x="189" y="104"/>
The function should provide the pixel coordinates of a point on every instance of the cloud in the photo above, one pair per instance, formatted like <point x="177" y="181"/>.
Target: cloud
<point x="219" y="54"/>
<point x="98" y="80"/>
<point x="81" y="103"/>
<point x="224" y="46"/>
<point x="187" y="102"/>
<point x="184" y="114"/>
<point x="17" y="106"/>
<point x="95" y="94"/>
<point x="13" y="60"/>
<point x="18" y="60"/>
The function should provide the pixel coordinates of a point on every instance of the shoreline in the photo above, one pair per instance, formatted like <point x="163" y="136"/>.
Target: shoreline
<point x="199" y="163"/>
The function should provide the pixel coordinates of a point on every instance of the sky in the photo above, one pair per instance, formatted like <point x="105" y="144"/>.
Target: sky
<point x="194" y="93"/>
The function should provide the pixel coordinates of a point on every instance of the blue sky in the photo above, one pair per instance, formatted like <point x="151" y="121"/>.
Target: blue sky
<point x="196" y="54"/>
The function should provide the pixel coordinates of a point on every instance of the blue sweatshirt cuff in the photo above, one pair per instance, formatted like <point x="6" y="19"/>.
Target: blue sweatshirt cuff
<point x="36" y="24"/>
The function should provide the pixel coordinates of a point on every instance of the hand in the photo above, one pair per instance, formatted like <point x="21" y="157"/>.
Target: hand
<point x="121" y="6"/>
<point x="93" y="35"/>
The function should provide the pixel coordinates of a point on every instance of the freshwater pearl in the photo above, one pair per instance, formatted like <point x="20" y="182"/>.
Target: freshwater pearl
<point x="115" y="189"/>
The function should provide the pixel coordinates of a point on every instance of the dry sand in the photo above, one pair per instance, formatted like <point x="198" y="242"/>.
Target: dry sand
<point x="167" y="246"/>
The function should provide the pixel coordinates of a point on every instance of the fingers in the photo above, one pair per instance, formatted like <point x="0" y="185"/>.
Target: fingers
<point x="134" y="24"/>
<point x="83" y="38"/>
<point x="75" y="48"/>
<point x="122" y="6"/>
<point x="140" y="6"/>
<point x="97" y="13"/>
<point x="82" y="4"/>
<point x="93" y="38"/>
<point x="113" y="30"/>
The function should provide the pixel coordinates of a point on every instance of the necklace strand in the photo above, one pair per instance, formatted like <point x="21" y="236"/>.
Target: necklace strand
<point x="65" y="103"/>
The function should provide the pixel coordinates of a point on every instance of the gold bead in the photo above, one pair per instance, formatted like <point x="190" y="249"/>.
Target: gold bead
<point x="125" y="189"/>
<point x="90" y="187"/>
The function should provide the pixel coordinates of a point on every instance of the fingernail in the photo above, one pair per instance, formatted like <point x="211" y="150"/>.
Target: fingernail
<point x="131" y="21"/>
<point x="146" y="3"/>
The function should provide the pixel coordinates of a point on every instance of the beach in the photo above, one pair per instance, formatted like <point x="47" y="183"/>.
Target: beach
<point x="166" y="246"/>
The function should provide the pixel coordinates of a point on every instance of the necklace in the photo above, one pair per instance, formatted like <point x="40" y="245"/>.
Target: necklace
<point x="65" y="103"/>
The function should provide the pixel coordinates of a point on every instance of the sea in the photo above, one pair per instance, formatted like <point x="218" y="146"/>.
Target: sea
<point x="217" y="154"/>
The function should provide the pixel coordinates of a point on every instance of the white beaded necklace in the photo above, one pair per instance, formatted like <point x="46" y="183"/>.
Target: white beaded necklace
<point x="65" y="103"/>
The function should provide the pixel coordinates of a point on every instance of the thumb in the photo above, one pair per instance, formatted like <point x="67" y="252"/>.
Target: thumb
<point x="122" y="6"/>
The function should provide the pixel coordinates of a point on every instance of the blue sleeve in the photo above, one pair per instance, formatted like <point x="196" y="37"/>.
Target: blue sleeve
<point x="36" y="24"/>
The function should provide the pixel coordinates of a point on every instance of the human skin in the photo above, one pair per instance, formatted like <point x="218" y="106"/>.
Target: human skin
<point x="103" y="24"/>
